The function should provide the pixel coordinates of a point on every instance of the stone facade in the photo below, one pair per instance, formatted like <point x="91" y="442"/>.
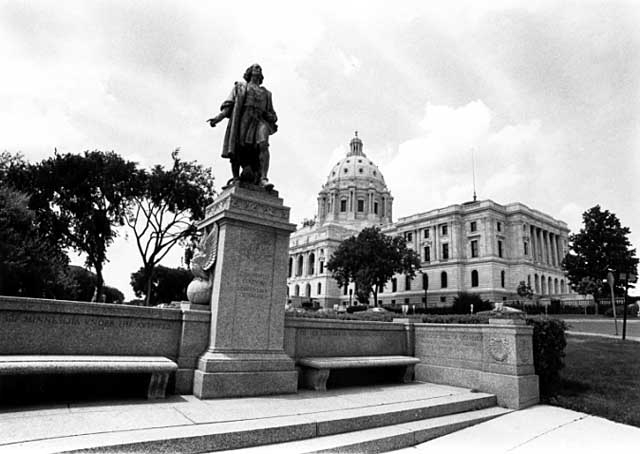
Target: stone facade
<point x="479" y="247"/>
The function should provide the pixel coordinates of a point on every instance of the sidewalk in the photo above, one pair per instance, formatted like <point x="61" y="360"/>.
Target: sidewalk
<point x="54" y="428"/>
<point x="539" y="429"/>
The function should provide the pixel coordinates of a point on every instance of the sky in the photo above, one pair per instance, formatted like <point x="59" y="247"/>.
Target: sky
<point x="545" y="95"/>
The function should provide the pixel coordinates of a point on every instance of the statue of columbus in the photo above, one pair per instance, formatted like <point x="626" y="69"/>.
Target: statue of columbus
<point x="251" y="121"/>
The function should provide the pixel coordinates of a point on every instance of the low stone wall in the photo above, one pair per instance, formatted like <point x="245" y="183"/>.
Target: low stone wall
<point x="304" y="337"/>
<point x="495" y="358"/>
<point x="31" y="326"/>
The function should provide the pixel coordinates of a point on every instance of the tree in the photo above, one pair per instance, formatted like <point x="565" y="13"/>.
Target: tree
<point x="370" y="260"/>
<point x="31" y="264"/>
<point x="600" y="246"/>
<point x="166" y="211"/>
<point x="167" y="284"/>
<point x="462" y="303"/>
<point x="80" y="285"/>
<point x="524" y="290"/>
<point x="81" y="199"/>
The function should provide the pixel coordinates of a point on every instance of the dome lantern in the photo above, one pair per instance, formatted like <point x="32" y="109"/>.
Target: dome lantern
<point x="356" y="146"/>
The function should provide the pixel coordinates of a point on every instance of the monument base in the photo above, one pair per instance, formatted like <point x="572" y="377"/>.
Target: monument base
<point x="235" y="384"/>
<point x="229" y="374"/>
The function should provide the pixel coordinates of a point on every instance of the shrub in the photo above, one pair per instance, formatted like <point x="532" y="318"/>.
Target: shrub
<point x="549" y="342"/>
<point x="632" y="311"/>
<point x="357" y="308"/>
<point x="457" y="318"/>
<point x="462" y="303"/>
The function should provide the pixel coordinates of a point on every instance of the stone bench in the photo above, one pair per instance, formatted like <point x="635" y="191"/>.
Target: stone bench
<point x="315" y="371"/>
<point x="158" y="366"/>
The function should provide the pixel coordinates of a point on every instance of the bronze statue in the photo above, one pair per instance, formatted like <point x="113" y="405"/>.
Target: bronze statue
<point x="251" y="121"/>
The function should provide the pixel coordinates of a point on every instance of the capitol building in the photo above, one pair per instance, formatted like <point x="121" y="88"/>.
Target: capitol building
<point x="477" y="247"/>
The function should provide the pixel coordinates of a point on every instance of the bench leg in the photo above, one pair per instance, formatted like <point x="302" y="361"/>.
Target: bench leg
<point x="407" y="376"/>
<point x="158" y="385"/>
<point x="316" y="379"/>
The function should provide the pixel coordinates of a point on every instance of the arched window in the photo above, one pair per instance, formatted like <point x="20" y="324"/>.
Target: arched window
<point x="319" y="288"/>
<point x="537" y="282"/>
<point x="312" y="260"/>
<point x="502" y="278"/>
<point x="443" y="279"/>
<point x="543" y="285"/>
<point x="550" y="286"/>
<point x="296" y="290"/>
<point x="300" y="264"/>
<point x="555" y="286"/>
<point x="307" y="290"/>
<point x="562" y="287"/>
<point x="474" y="278"/>
<point x="425" y="281"/>
<point x="290" y="266"/>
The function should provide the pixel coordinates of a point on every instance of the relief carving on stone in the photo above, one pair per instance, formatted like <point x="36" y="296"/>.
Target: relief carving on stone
<point x="204" y="258"/>
<point x="499" y="348"/>
<point x="250" y="205"/>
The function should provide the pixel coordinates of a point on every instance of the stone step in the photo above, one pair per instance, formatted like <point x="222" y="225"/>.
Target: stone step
<point x="266" y="430"/>
<point x="382" y="439"/>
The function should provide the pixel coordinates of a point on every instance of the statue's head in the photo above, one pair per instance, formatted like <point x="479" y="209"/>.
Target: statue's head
<point x="254" y="69"/>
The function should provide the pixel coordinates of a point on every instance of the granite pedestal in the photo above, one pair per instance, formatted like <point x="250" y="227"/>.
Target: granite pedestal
<point x="246" y="355"/>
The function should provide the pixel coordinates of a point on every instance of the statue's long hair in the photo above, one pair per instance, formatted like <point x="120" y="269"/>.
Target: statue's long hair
<point x="247" y="73"/>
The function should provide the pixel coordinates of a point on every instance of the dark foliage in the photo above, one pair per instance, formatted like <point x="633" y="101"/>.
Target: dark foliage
<point x="32" y="263"/>
<point x="370" y="260"/>
<point x="601" y="245"/>
<point x="549" y="342"/>
<point x="462" y="303"/>
<point x="167" y="284"/>
<point x="79" y="200"/>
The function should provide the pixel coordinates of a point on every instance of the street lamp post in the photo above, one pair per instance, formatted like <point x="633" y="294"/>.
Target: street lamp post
<point x="425" y="286"/>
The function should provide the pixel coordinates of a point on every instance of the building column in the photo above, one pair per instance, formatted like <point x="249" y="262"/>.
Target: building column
<point x="554" y="255"/>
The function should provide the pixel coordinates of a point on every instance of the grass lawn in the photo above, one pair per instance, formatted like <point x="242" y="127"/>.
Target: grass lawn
<point x="604" y="326"/>
<point x="601" y="377"/>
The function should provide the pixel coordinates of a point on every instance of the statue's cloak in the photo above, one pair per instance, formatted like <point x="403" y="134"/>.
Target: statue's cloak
<point x="233" y="107"/>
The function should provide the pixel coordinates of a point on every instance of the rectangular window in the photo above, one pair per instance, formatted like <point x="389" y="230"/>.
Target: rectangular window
<point x="499" y="248"/>
<point x="406" y="301"/>
<point x="394" y="285"/>
<point x="319" y="288"/>
<point x="321" y="267"/>
<point x="473" y="226"/>
<point x="407" y="283"/>
<point x="343" y="205"/>
<point x="474" y="248"/>
<point x="427" y="254"/>
<point x="360" y="206"/>
<point x="445" y="251"/>
<point x="526" y="248"/>
<point x="375" y="207"/>
<point x="409" y="237"/>
<point x="499" y="225"/>
<point x="426" y="233"/>
<point x="443" y="299"/>
<point x="344" y="290"/>
<point x="444" y="228"/>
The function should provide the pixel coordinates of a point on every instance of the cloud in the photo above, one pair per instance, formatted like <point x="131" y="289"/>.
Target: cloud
<point x="435" y="169"/>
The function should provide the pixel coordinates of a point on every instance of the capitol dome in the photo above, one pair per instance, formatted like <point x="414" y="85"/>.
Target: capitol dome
<point x="355" y="165"/>
<point x="355" y="193"/>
